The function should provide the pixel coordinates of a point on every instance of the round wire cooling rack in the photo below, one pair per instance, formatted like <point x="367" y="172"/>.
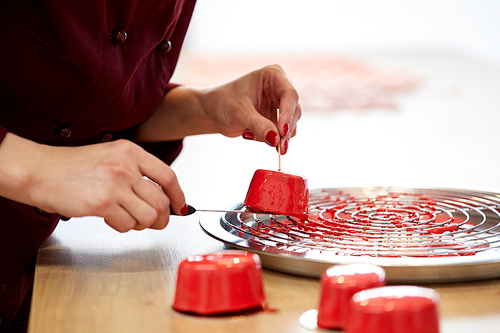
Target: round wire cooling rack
<point x="416" y="235"/>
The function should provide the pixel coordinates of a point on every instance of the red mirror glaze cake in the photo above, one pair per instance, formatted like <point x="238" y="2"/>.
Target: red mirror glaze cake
<point x="218" y="283"/>
<point x="394" y="309"/>
<point x="278" y="192"/>
<point x="338" y="284"/>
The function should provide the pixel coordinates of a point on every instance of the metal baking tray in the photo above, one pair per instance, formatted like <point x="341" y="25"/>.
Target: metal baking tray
<point x="427" y="235"/>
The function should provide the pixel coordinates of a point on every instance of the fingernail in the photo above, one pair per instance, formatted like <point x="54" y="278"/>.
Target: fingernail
<point x="285" y="147"/>
<point x="271" y="138"/>
<point x="184" y="209"/>
<point x="286" y="128"/>
<point x="247" y="135"/>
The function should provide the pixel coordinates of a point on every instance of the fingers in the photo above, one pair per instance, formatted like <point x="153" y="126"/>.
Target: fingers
<point x="261" y="129"/>
<point x="143" y="190"/>
<point x="278" y="92"/>
<point x="152" y="207"/>
<point x="290" y="113"/>
<point x="260" y="123"/>
<point x="144" y="206"/>
<point x="120" y="219"/>
<point x="164" y="176"/>
<point x="289" y="129"/>
<point x="289" y="107"/>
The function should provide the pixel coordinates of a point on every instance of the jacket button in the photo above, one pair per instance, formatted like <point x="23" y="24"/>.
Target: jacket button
<point x="165" y="46"/>
<point x="106" y="136"/>
<point x="63" y="131"/>
<point x="119" y="36"/>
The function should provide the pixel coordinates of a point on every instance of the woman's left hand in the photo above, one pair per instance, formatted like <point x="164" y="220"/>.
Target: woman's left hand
<point x="246" y="106"/>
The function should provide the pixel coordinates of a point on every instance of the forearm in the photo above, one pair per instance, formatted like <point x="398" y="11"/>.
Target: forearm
<point x="181" y="113"/>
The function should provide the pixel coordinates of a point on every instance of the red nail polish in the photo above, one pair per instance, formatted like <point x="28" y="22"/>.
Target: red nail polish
<point x="271" y="138"/>
<point x="285" y="147"/>
<point x="286" y="128"/>
<point x="247" y="135"/>
<point x="184" y="209"/>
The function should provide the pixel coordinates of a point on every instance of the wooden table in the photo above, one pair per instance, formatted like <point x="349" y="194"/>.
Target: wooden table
<point x="90" y="278"/>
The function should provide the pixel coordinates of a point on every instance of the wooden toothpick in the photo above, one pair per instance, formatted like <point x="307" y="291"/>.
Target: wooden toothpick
<point x="279" y="140"/>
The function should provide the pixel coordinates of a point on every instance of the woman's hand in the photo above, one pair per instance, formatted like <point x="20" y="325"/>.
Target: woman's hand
<point x="247" y="106"/>
<point x="119" y="181"/>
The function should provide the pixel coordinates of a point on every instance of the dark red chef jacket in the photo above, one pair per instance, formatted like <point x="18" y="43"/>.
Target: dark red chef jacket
<point x="77" y="72"/>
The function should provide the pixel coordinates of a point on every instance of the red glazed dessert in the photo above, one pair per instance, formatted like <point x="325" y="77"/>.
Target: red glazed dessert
<point x="338" y="285"/>
<point x="279" y="193"/>
<point x="218" y="283"/>
<point x="398" y="309"/>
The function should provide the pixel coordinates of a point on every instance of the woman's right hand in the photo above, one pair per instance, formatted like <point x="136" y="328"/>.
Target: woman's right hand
<point x="119" y="181"/>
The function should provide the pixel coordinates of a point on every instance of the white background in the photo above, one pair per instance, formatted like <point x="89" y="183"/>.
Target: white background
<point x="332" y="25"/>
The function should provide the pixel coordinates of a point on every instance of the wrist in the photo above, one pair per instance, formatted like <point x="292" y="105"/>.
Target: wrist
<point x="19" y="162"/>
<point x="181" y="113"/>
